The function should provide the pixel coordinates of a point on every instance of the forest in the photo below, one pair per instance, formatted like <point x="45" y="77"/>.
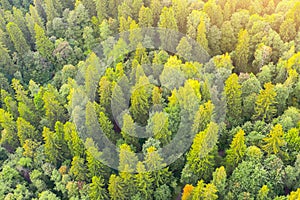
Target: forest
<point x="149" y="99"/>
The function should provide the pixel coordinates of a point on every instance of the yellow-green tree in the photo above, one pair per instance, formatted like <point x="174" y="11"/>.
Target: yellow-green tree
<point x="274" y="140"/>
<point x="233" y="94"/>
<point x="265" y="103"/>
<point x="97" y="190"/>
<point x="236" y="151"/>
<point x="44" y="46"/>
<point x="241" y="56"/>
<point x="201" y="37"/>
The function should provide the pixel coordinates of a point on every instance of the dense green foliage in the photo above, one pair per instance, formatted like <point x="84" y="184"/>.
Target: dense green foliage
<point x="48" y="47"/>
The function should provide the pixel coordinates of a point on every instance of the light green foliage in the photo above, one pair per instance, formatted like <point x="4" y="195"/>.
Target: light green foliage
<point x="236" y="151"/>
<point x="274" y="140"/>
<point x="265" y="103"/>
<point x="241" y="56"/>
<point x="233" y="100"/>
<point x="17" y="38"/>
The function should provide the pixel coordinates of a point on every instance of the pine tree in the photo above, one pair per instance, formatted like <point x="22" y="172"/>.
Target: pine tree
<point x="90" y="5"/>
<point x="107" y="127"/>
<point x="135" y="34"/>
<point x="35" y="16"/>
<point x="72" y="138"/>
<point x="236" y="151"/>
<point x="44" y="46"/>
<point x="17" y="38"/>
<point x="274" y="140"/>
<point x="5" y="60"/>
<point x="94" y="160"/>
<point x="214" y="38"/>
<point x="214" y="12"/>
<point x="127" y="159"/>
<point x="265" y="103"/>
<point x="97" y="190"/>
<point x="233" y="100"/>
<point x="21" y="23"/>
<point x="241" y="56"/>
<point x="54" y="110"/>
<point x="135" y="7"/>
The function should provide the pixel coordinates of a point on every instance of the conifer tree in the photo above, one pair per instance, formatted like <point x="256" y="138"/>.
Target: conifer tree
<point x="145" y="17"/>
<point x="233" y="100"/>
<point x="201" y="35"/>
<point x="116" y="188"/>
<point x="143" y="181"/>
<point x="184" y="49"/>
<point x="78" y="168"/>
<point x="17" y="38"/>
<point x="155" y="164"/>
<point x="9" y="137"/>
<point x="158" y="127"/>
<point x="210" y="192"/>
<point x="228" y="39"/>
<point x="219" y="180"/>
<point x="101" y="9"/>
<point x="265" y="103"/>
<point x="140" y="101"/>
<point x="203" y="117"/>
<point x="200" y="157"/>
<point x="128" y="130"/>
<point x="167" y="33"/>
<point x="274" y="140"/>
<point x="43" y="44"/>
<point x="156" y="8"/>
<point x="236" y="151"/>
<point x="287" y="30"/>
<point x="97" y="190"/>
<point x="180" y="10"/>
<point x="26" y="131"/>
<point x="241" y="56"/>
